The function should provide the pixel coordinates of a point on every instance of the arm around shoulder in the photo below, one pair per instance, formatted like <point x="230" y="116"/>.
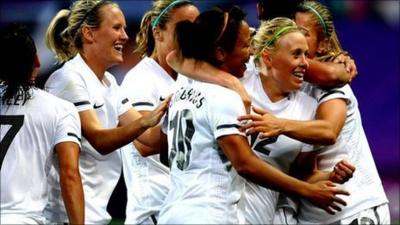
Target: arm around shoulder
<point x="327" y="74"/>
<point x="203" y="71"/>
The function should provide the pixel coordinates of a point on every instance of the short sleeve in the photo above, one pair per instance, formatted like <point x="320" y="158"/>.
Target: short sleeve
<point x="70" y="87"/>
<point x="68" y="127"/>
<point x="123" y="104"/>
<point x="122" y="100"/>
<point x="334" y="93"/>
<point x="140" y="92"/>
<point x="323" y="95"/>
<point x="225" y="112"/>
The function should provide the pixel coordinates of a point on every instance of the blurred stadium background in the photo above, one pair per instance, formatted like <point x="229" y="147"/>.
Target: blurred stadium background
<point x="368" y="29"/>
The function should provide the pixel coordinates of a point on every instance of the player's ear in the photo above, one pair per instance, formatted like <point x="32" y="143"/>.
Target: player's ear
<point x="157" y="34"/>
<point x="323" y="46"/>
<point x="266" y="57"/>
<point x="220" y="54"/>
<point x="87" y="34"/>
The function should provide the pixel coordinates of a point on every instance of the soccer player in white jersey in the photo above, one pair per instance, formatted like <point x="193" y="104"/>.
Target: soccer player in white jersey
<point x="89" y="38"/>
<point x="339" y="125"/>
<point x="282" y="48"/>
<point x="147" y="84"/>
<point x="38" y="131"/>
<point x="207" y="153"/>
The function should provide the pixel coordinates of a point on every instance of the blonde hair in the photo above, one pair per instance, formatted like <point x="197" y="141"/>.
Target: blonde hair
<point x="326" y="28"/>
<point x="269" y="33"/>
<point x="144" y="38"/>
<point x="63" y="36"/>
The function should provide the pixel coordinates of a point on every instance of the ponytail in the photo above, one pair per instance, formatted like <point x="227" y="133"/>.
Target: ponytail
<point x="144" y="38"/>
<point x="59" y="38"/>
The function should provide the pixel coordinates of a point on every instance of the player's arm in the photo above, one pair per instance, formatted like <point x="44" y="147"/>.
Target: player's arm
<point x="324" y="130"/>
<point x="326" y="127"/>
<point x="330" y="74"/>
<point x="70" y="181"/>
<point x="305" y="167"/>
<point x="203" y="71"/>
<point x="154" y="134"/>
<point x="237" y="150"/>
<point x="327" y="74"/>
<point x="149" y="140"/>
<point x="145" y="150"/>
<point x="132" y="125"/>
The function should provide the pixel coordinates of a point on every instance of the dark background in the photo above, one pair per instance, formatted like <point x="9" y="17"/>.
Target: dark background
<point x="369" y="30"/>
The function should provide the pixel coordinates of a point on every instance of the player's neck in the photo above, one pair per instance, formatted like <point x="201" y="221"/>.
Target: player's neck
<point x="163" y="64"/>
<point x="98" y="68"/>
<point x="272" y="88"/>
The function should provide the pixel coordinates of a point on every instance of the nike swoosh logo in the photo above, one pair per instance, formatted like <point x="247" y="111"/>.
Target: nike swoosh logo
<point x="162" y="99"/>
<point x="97" y="106"/>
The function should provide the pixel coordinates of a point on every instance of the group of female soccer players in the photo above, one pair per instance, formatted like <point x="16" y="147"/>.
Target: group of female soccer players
<point x="258" y="129"/>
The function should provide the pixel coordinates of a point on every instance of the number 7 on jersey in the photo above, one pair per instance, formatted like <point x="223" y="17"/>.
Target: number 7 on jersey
<point x="16" y="123"/>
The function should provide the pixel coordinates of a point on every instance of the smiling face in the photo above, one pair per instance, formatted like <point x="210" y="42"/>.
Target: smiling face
<point x="235" y="61"/>
<point x="110" y="37"/>
<point x="288" y="62"/>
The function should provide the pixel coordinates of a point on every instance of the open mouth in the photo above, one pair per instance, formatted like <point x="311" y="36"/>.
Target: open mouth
<point x="299" y="74"/>
<point x="119" y="47"/>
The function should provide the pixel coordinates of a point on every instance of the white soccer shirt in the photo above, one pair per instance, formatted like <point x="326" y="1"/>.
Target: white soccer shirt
<point x="77" y="83"/>
<point x="29" y="133"/>
<point x="365" y="186"/>
<point x="205" y="188"/>
<point x="259" y="202"/>
<point x="146" y="178"/>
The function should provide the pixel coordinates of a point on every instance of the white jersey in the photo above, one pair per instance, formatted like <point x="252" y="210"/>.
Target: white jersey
<point x="146" y="178"/>
<point x="365" y="186"/>
<point x="259" y="203"/>
<point x="77" y="83"/>
<point x="205" y="188"/>
<point x="29" y="132"/>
